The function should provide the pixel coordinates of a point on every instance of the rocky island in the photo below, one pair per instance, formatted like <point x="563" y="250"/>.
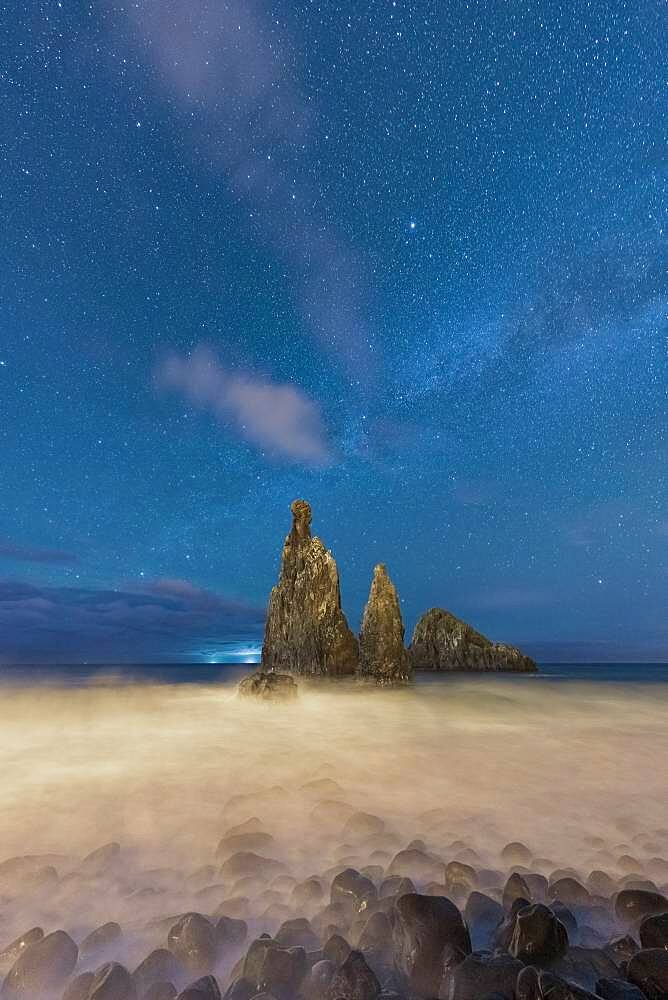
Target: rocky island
<point x="306" y="631"/>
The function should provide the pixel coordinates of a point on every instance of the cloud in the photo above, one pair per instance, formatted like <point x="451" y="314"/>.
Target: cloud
<point x="159" y="620"/>
<point x="226" y="72"/>
<point x="275" y="417"/>
<point x="27" y="553"/>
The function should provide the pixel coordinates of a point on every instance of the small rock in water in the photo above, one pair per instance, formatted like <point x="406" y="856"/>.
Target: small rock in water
<point x="100" y="939"/>
<point x="203" y="989"/>
<point x="428" y="932"/>
<point x="79" y="987"/>
<point x="19" y="945"/>
<point x="268" y="686"/>
<point x="112" y="982"/>
<point x="480" y="975"/>
<point x="354" y="980"/>
<point x="538" y="936"/>
<point x="654" y="931"/>
<point x="648" y="970"/>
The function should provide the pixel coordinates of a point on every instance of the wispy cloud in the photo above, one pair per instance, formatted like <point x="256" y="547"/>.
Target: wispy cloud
<point x="278" y="418"/>
<point x="230" y="68"/>
<point x="152" y="621"/>
<point x="31" y="554"/>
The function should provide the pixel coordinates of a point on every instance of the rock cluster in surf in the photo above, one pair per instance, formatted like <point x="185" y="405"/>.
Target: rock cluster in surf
<point x="307" y="633"/>
<point x="388" y="913"/>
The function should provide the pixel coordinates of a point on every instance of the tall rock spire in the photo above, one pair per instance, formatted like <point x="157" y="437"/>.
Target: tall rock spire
<point x="382" y="654"/>
<point x="306" y="631"/>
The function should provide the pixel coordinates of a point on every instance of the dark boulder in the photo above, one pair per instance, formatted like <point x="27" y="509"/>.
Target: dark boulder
<point x="20" y="944"/>
<point x="618" y="989"/>
<point x="538" y="936"/>
<point x="194" y="942"/>
<point x="354" y="980"/>
<point x="112" y="982"/>
<point x="648" y="970"/>
<point x="46" y="964"/>
<point x="265" y="685"/>
<point x="654" y="931"/>
<point x="479" y="975"/>
<point x="158" y="966"/>
<point x="100" y="939"/>
<point x="79" y="987"/>
<point x="160" y="991"/>
<point x="203" y="989"/>
<point x="352" y="891"/>
<point x="634" y="904"/>
<point x="230" y="931"/>
<point x="297" y="932"/>
<point x="428" y="932"/>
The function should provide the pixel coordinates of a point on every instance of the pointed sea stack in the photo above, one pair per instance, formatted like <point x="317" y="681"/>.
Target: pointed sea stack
<point x="383" y="656"/>
<point x="306" y="631"/>
<point x="443" y="642"/>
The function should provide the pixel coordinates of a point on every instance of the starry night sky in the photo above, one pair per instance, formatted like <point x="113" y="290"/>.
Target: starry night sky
<point x="405" y="260"/>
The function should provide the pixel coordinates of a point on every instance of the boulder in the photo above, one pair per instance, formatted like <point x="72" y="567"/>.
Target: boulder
<point x="654" y="931"/>
<point x="428" y="932"/>
<point x="354" y="980"/>
<point x="265" y="685"/>
<point x="306" y="631"/>
<point x="194" y="942"/>
<point x="538" y="936"/>
<point x="479" y="975"/>
<point x="112" y="982"/>
<point x="46" y="964"/>
<point x="442" y="641"/>
<point x="203" y="989"/>
<point x="648" y="970"/>
<point x="382" y="655"/>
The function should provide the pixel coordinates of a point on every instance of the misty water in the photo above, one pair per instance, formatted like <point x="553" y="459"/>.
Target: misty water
<point x="573" y="768"/>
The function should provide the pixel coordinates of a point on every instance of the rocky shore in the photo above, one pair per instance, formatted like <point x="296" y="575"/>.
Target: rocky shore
<point x="306" y="631"/>
<point x="383" y="919"/>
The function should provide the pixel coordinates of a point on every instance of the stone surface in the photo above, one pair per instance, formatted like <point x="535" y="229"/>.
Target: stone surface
<point x="383" y="657"/>
<point x="44" y="965"/>
<point x="428" y="933"/>
<point x="306" y="631"/>
<point x="443" y="642"/>
<point x="268" y="686"/>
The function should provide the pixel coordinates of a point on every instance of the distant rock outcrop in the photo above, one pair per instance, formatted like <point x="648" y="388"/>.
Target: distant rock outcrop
<point x="383" y="656"/>
<point x="306" y="631"/>
<point x="443" y="642"/>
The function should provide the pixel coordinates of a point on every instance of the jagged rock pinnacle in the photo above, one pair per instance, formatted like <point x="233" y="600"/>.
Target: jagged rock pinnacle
<point x="382" y="654"/>
<point x="306" y="631"/>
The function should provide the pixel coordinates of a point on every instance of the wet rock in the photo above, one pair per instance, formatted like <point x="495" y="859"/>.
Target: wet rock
<point x="479" y="975"/>
<point x="308" y="893"/>
<point x="585" y="966"/>
<point x="427" y="932"/>
<point x="375" y="941"/>
<point x="265" y="685"/>
<point x="45" y="964"/>
<point x="505" y="930"/>
<point x="79" y="987"/>
<point x="231" y="932"/>
<point x="248" y="863"/>
<point x="569" y="891"/>
<point x="362" y="826"/>
<point x="395" y="885"/>
<point x="194" y="942"/>
<point x="482" y="915"/>
<point x="336" y="949"/>
<point x="231" y="844"/>
<point x="297" y="932"/>
<point x="460" y="877"/>
<point x="203" y="989"/>
<point x="654" y="931"/>
<point x="112" y="982"/>
<point x="160" y="965"/>
<point x="382" y="655"/>
<point x="538" y="936"/>
<point x="621" y="949"/>
<point x="648" y="970"/>
<point x="634" y="904"/>
<point x="276" y="970"/>
<point x="100" y="939"/>
<point x="354" y="980"/>
<point x="418" y="866"/>
<point x="19" y="945"/>
<point x="618" y="989"/>
<point x="316" y="985"/>
<point x="160" y="991"/>
<point x="600" y="883"/>
<point x="516" y="853"/>
<point x="306" y="631"/>
<point x="443" y="642"/>
<point x="515" y="888"/>
<point x="352" y="891"/>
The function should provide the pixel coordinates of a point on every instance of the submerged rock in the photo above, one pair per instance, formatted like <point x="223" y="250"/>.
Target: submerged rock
<point x="268" y="686"/>
<point x="306" y="631"/>
<point x="383" y="656"/>
<point x="443" y="642"/>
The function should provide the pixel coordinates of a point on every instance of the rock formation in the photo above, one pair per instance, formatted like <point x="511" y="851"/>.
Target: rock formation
<point x="383" y="656"/>
<point x="268" y="686"/>
<point x="443" y="642"/>
<point x="306" y="631"/>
